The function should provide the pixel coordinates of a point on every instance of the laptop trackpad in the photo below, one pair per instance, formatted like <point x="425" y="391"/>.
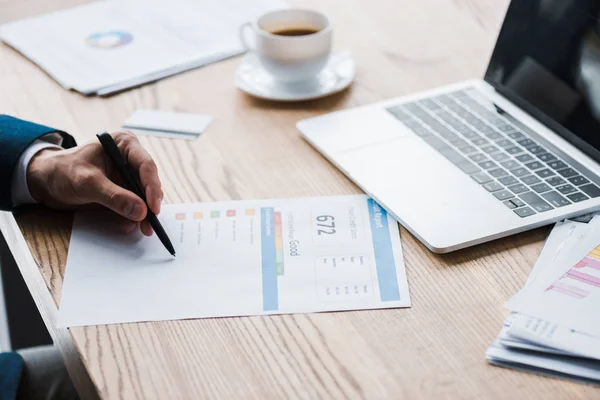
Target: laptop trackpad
<point x="425" y="191"/>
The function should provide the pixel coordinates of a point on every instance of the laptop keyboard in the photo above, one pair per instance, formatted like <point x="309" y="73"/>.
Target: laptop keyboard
<point x="495" y="153"/>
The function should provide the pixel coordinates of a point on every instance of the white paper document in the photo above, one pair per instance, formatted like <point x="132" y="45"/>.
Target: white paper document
<point x="107" y="46"/>
<point x="569" y="293"/>
<point x="236" y="258"/>
<point x="541" y="334"/>
<point x="169" y="124"/>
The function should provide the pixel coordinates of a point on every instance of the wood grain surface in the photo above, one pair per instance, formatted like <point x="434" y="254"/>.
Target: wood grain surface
<point x="434" y="350"/>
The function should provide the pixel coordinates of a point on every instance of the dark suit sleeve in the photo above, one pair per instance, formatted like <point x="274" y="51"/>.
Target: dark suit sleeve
<point x="15" y="136"/>
<point x="11" y="367"/>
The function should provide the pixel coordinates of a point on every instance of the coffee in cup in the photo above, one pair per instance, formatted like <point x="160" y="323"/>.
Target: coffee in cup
<point x="292" y="45"/>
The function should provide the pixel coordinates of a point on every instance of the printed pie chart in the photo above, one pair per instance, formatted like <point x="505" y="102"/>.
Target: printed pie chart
<point x="109" y="39"/>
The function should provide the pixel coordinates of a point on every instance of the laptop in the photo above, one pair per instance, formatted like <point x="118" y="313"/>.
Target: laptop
<point x="479" y="160"/>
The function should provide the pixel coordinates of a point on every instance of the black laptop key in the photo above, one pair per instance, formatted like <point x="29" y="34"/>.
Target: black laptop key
<point x="578" y="180"/>
<point x="536" y="149"/>
<point x="435" y="142"/>
<point x="468" y="132"/>
<point x="513" y="150"/>
<point x="524" y="158"/>
<point x="447" y="134"/>
<point x="518" y="188"/>
<point x="500" y="156"/>
<point x="487" y="164"/>
<point x="478" y="157"/>
<point x="452" y="155"/>
<point x="504" y="143"/>
<point x="524" y="212"/>
<point x="492" y="186"/>
<point x="509" y="204"/>
<point x="429" y="104"/>
<point x="577" y="197"/>
<point x="535" y="202"/>
<point x="519" y="172"/>
<point x="555" y="181"/>
<point x="468" y="149"/>
<point x="489" y="149"/>
<point x="504" y="127"/>
<point x="510" y="164"/>
<point x="460" y="143"/>
<point x="421" y="130"/>
<point x="546" y="157"/>
<point x="567" y="172"/>
<point x="412" y="124"/>
<point x="557" y="164"/>
<point x="492" y="134"/>
<point x="540" y="187"/>
<point x="566" y="189"/>
<point x="544" y="173"/>
<point x="497" y="173"/>
<point x="591" y="190"/>
<point x="400" y="113"/>
<point x="503" y="194"/>
<point x="508" y="180"/>
<point x="515" y="135"/>
<point x="534" y="165"/>
<point x="530" y="179"/>
<point x="481" y="177"/>
<point x="556" y="199"/>
<point x="517" y="202"/>
<point x="526" y="142"/>
<point x="467" y="167"/>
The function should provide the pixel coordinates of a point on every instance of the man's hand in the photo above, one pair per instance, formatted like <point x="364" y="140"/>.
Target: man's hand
<point x="84" y="175"/>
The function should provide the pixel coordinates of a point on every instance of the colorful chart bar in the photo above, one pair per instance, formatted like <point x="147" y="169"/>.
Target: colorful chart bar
<point x="588" y="262"/>
<point x="198" y="215"/>
<point x="180" y="216"/>
<point x="569" y="290"/>
<point x="269" y="264"/>
<point x="231" y="213"/>
<point x="250" y="212"/>
<point x="278" y="244"/>
<point x="384" y="256"/>
<point x="215" y="214"/>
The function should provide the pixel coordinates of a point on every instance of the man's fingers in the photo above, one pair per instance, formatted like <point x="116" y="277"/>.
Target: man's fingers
<point x="128" y="226"/>
<point x="141" y="161"/>
<point x="94" y="187"/>
<point x="146" y="228"/>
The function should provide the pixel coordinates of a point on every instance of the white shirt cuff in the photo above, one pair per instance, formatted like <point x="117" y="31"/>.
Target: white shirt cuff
<point x="20" y="190"/>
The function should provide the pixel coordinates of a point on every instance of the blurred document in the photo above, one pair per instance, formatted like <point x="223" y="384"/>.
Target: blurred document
<point x="108" y="46"/>
<point x="236" y="258"/>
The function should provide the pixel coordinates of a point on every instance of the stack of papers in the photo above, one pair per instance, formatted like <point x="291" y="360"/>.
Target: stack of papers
<point x="108" y="46"/>
<point x="554" y="328"/>
<point x="236" y="258"/>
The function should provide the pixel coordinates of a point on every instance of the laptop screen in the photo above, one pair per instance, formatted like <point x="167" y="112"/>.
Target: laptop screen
<point x="547" y="61"/>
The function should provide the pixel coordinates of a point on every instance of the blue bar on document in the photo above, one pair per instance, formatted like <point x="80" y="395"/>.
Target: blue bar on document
<point x="269" y="262"/>
<point x="384" y="255"/>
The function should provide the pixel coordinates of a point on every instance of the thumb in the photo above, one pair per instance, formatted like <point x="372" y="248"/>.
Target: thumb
<point x="117" y="199"/>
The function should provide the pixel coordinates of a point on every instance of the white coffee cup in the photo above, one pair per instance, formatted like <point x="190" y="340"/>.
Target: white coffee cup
<point x="289" y="58"/>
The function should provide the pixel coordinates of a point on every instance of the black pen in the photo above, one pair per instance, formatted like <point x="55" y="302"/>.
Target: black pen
<point x="112" y="151"/>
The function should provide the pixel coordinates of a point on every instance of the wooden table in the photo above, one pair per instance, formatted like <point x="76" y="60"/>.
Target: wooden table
<point x="252" y="150"/>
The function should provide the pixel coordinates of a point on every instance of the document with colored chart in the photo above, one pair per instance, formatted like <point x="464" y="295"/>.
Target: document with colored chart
<point x="568" y="292"/>
<point x="553" y="327"/>
<point x="107" y="46"/>
<point x="236" y="258"/>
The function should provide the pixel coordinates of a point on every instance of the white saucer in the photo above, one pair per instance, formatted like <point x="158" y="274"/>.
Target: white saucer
<point x="337" y="75"/>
